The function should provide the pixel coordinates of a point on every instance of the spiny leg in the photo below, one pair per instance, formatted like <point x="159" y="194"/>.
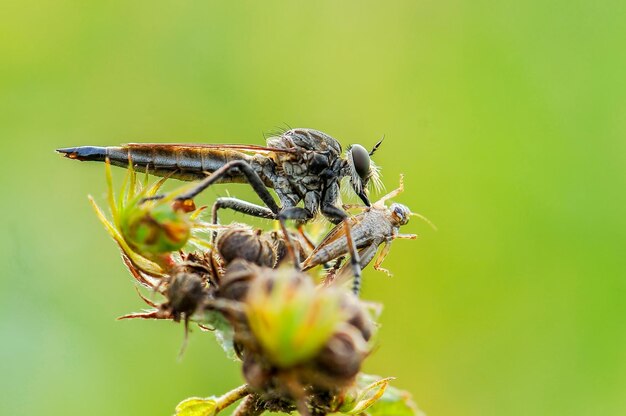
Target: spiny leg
<point x="260" y="189"/>
<point x="240" y="206"/>
<point x="292" y="213"/>
<point x="332" y="212"/>
<point x="251" y="176"/>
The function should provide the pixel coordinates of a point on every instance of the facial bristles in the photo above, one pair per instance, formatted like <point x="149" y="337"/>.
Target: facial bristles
<point x="426" y="220"/>
<point x="375" y="177"/>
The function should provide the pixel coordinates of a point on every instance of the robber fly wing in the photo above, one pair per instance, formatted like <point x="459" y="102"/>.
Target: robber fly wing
<point x="247" y="148"/>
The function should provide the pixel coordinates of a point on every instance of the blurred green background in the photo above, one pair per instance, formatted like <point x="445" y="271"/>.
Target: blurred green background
<point x="508" y="119"/>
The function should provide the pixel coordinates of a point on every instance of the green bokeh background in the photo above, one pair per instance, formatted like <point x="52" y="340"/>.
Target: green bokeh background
<point x="508" y="119"/>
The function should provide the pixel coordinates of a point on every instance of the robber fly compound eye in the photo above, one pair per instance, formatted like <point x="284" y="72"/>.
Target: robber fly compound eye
<point x="361" y="160"/>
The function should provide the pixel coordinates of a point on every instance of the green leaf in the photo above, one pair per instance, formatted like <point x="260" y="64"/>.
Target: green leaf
<point x="196" y="406"/>
<point x="394" y="401"/>
<point x="223" y="331"/>
<point x="365" y="397"/>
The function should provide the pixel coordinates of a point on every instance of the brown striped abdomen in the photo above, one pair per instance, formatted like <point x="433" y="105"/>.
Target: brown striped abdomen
<point x="185" y="162"/>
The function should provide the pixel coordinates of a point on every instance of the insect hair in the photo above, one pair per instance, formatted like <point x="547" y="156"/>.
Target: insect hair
<point x="277" y="131"/>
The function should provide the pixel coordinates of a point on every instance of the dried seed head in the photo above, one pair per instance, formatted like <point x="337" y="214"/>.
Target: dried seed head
<point x="236" y="280"/>
<point x="185" y="293"/>
<point x="293" y="336"/>
<point x="242" y="242"/>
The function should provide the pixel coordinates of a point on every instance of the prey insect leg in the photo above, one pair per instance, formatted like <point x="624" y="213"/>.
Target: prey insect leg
<point x="366" y="254"/>
<point x="381" y="258"/>
<point x="307" y="240"/>
<point x="393" y="193"/>
<point x="353" y="206"/>
<point x="332" y="272"/>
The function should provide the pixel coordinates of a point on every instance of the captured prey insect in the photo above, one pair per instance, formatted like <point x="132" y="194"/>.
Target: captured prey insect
<point x="376" y="225"/>
<point x="301" y="165"/>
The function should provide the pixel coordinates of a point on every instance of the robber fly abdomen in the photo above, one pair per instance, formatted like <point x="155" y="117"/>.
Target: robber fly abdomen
<point x="184" y="162"/>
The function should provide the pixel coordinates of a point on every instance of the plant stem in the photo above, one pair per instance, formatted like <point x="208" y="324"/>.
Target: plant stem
<point x="248" y="407"/>
<point x="231" y="397"/>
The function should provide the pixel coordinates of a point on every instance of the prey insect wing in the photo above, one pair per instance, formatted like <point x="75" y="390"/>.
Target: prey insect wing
<point x="336" y="234"/>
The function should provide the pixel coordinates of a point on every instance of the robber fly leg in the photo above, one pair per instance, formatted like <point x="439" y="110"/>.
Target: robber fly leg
<point x="239" y="206"/>
<point x="292" y="213"/>
<point x="393" y="193"/>
<point x="251" y="176"/>
<point x="336" y="215"/>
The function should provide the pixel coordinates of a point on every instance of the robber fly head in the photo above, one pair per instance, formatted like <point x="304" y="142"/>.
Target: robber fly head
<point x="362" y="170"/>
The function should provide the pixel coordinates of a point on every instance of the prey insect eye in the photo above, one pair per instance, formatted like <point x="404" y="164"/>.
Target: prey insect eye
<point x="402" y="213"/>
<point x="361" y="160"/>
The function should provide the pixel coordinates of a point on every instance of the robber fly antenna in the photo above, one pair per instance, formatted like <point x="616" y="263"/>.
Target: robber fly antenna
<point x="426" y="220"/>
<point x="375" y="148"/>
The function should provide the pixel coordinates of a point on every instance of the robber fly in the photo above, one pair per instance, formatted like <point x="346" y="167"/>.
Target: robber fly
<point x="376" y="225"/>
<point x="299" y="164"/>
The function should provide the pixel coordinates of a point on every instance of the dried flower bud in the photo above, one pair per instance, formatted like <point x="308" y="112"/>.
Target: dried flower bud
<point x="148" y="228"/>
<point x="155" y="228"/>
